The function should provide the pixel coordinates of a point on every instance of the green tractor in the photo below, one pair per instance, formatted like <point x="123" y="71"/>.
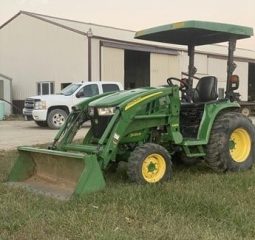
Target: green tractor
<point x="148" y="126"/>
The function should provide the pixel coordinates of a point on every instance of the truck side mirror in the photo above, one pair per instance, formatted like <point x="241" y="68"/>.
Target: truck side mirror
<point x="234" y="82"/>
<point x="80" y="94"/>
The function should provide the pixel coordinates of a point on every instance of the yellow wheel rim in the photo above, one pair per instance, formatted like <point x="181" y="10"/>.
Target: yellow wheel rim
<point x="239" y="145"/>
<point x="153" y="168"/>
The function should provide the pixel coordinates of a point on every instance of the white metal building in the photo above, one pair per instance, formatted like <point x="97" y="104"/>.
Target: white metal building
<point x="5" y="92"/>
<point x="42" y="54"/>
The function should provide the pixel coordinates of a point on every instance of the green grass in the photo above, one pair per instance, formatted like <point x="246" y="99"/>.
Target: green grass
<point x="196" y="204"/>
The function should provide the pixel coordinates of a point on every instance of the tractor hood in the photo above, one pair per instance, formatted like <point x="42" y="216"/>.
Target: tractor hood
<point x="195" y="33"/>
<point x="118" y="97"/>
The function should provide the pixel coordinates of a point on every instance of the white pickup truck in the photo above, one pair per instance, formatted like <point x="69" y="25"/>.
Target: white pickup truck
<point x="52" y="110"/>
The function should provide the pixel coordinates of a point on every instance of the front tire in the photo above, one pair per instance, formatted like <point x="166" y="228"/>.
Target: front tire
<point x="56" y="118"/>
<point x="41" y="123"/>
<point x="231" y="145"/>
<point x="149" y="163"/>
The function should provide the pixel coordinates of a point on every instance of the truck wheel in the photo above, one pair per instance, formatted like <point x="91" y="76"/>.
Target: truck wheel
<point x="41" y="123"/>
<point x="149" y="163"/>
<point x="56" y="118"/>
<point x="231" y="145"/>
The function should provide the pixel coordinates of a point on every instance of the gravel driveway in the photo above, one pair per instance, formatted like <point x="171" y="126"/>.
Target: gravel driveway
<point x="27" y="133"/>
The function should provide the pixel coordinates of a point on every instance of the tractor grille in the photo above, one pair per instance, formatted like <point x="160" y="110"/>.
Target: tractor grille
<point x="99" y="124"/>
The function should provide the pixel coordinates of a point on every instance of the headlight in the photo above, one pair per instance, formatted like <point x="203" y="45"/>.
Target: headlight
<point x="106" y="111"/>
<point x="40" y="105"/>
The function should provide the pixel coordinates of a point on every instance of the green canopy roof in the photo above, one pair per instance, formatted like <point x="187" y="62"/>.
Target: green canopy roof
<point x="195" y="33"/>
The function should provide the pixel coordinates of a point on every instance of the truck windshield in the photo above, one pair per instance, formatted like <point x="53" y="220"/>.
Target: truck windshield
<point x="70" y="89"/>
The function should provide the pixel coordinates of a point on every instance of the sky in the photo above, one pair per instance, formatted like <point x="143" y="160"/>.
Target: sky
<point x="140" y="14"/>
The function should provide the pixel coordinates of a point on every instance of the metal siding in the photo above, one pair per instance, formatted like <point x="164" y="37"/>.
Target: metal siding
<point x="138" y="47"/>
<point x="7" y="96"/>
<point x="1" y="88"/>
<point x="34" y="51"/>
<point x="221" y="50"/>
<point x="112" y="64"/>
<point x="200" y="63"/>
<point x="218" y="68"/>
<point x="162" y="67"/>
<point x="128" y="35"/>
<point x="242" y="72"/>
<point x="5" y="93"/>
<point x="95" y="63"/>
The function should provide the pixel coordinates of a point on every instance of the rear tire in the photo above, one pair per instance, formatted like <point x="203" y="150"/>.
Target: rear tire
<point x="231" y="145"/>
<point x="56" y="118"/>
<point x="149" y="163"/>
<point x="41" y="123"/>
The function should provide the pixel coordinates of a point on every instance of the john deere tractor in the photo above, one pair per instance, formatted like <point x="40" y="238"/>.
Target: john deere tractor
<point x="148" y="126"/>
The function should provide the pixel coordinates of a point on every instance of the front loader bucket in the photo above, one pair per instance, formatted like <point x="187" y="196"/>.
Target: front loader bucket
<point x="56" y="173"/>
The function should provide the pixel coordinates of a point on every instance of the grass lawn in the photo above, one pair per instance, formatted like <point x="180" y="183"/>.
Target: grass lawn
<point x="196" y="204"/>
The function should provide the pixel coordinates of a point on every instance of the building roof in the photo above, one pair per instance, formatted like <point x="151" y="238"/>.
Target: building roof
<point x="126" y="36"/>
<point x="83" y="27"/>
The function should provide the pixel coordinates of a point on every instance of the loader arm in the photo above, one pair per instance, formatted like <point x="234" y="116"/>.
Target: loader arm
<point x="128" y="120"/>
<point x="130" y="116"/>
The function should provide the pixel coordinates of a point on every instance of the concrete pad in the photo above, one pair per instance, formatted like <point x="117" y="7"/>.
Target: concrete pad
<point x="27" y="133"/>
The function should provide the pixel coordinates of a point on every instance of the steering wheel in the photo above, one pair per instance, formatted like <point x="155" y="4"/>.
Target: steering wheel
<point x="184" y="87"/>
<point x="183" y="84"/>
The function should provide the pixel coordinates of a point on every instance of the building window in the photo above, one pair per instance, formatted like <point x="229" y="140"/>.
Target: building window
<point x="64" y="85"/>
<point x="45" y="88"/>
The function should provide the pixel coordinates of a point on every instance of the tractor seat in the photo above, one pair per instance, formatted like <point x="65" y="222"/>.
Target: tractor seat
<point x="206" y="90"/>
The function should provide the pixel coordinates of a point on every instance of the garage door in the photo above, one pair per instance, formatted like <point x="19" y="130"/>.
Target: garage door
<point x="112" y="64"/>
<point x="218" y="68"/>
<point x="163" y="66"/>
